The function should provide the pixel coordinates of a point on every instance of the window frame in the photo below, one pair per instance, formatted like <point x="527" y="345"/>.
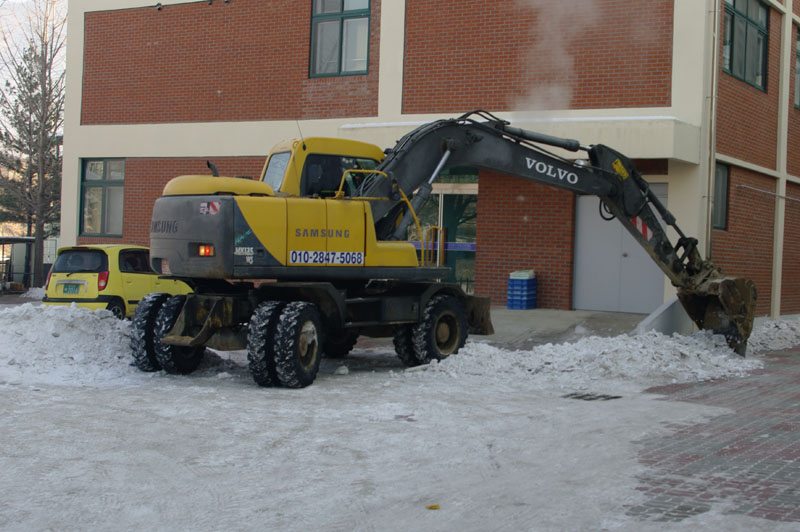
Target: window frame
<point x="721" y="199"/>
<point x="104" y="184"/>
<point x="341" y="16"/>
<point x="750" y="25"/>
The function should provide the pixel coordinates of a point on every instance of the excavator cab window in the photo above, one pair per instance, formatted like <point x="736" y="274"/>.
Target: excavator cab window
<point x="276" y="168"/>
<point x="322" y="174"/>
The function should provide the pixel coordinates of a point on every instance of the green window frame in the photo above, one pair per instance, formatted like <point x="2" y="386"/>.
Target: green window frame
<point x="102" y="195"/>
<point x="339" y="38"/>
<point x="744" y="46"/>
<point x="719" y="212"/>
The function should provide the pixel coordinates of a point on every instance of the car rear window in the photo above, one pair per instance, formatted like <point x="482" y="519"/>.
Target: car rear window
<point x="81" y="260"/>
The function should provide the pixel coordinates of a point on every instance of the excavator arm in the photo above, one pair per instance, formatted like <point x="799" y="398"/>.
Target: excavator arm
<point x="725" y="305"/>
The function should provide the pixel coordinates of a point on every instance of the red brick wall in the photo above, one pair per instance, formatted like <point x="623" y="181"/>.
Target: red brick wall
<point x="747" y="117"/>
<point x="194" y="62"/>
<point x="793" y="159"/>
<point x="145" y="179"/>
<point x="745" y="249"/>
<point x="524" y="225"/>
<point x="790" y="290"/>
<point x="461" y="56"/>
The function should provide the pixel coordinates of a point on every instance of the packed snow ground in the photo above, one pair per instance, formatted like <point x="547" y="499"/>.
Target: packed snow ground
<point x="486" y="435"/>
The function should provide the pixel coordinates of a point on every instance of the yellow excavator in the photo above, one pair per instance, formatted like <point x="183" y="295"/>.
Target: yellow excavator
<point x="302" y="261"/>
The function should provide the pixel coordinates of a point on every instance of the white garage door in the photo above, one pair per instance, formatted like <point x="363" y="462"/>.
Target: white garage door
<point x="612" y="271"/>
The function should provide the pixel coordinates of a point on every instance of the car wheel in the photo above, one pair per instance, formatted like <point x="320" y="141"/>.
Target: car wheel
<point x="117" y="308"/>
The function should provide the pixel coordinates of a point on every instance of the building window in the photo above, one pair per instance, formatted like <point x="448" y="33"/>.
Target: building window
<point x="339" y="37"/>
<point x="102" y="191"/>
<point x="744" y="48"/>
<point x="719" y="213"/>
<point x="797" y="70"/>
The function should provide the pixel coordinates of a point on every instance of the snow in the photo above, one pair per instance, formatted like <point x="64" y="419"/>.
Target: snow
<point x="34" y="293"/>
<point x="76" y="346"/>
<point x="90" y="442"/>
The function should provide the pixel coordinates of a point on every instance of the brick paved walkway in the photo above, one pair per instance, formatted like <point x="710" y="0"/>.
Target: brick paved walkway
<point x="748" y="460"/>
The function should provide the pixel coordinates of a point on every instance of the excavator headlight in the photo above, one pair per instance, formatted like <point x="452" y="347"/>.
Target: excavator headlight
<point x="205" y="250"/>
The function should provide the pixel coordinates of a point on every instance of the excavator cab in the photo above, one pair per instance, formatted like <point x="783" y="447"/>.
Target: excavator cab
<point x="314" y="166"/>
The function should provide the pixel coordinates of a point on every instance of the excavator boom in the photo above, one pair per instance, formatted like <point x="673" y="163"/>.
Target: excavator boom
<point x="725" y="305"/>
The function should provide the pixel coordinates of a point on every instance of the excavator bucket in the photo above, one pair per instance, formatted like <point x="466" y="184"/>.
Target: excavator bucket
<point x="725" y="306"/>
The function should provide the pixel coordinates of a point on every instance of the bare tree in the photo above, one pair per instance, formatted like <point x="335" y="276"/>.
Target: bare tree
<point x="31" y="120"/>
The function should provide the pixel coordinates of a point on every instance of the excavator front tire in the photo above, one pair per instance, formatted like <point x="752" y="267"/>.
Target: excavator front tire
<point x="442" y="330"/>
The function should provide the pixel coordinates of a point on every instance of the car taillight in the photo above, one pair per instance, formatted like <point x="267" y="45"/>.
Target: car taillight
<point x="102" y="280"/>
<point x="47" y="283"/>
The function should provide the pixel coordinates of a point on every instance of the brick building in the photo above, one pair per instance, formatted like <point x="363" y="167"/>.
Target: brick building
<point x="703" y="94"/>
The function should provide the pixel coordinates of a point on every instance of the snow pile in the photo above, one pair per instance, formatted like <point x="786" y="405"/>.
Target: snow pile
<point x="773" y="335"/>
<point x="34" y="293"/>
<point x="75" y="346"/>
<point x="60" y="345"/>
<point x="643" y="360"/>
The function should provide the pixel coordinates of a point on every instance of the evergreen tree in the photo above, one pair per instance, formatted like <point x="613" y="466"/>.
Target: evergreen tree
<point x="31" y="119"/>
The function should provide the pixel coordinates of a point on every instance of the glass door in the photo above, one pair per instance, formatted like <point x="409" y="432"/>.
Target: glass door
<point x="454" y="209"/>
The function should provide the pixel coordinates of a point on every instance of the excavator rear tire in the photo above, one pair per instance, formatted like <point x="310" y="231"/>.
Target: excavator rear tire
<point x="261" y="343"/>
<point x="442" y="330"/>
<point x="340" y="344"/>
<point x="298" y="344"/>
<point x="403" y="340"/>
<point x="144" y="355"/>
<point x="174" y="359"/>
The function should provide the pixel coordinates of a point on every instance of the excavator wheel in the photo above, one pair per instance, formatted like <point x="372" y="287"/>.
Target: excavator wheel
<point x="402" y="336"/>
<point x="298" y="344"/>
<point x="144" y="355"/>
<point x="174" y="359"/>
<point x="340" y="344"/>
<point x="442" y="330"/>
<point x="261" y="343"/>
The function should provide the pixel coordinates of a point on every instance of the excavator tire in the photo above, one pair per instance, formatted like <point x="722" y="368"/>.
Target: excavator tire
<point x="144" y="355"/>
<point x="442" y="330"/>
<point x="402" y="337"/>
<point x="174" y="359"/>
<point x="261" y="343"/>
<point x="339" y="345"/>
<point x="298" y="344"/>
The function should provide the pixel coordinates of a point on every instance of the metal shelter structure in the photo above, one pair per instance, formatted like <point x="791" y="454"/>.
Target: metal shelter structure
<point x="14" y="276"/>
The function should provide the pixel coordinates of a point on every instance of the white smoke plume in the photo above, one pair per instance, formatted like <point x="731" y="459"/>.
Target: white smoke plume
<point x="553" y="59"/>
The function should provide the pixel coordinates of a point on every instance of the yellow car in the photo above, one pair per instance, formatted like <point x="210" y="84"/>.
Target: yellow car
<point x="105" y="276"/>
